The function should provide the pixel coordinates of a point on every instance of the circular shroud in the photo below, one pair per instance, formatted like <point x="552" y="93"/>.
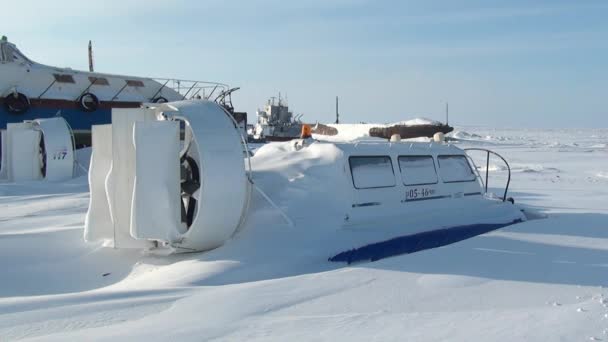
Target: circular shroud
<point x="222" y="189"/>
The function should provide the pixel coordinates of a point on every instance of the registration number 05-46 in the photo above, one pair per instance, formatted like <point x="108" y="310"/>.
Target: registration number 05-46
<point x="416" y="193"/>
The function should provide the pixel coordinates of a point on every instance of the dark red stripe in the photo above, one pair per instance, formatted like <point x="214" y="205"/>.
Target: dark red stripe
<point x="67" y="104"/>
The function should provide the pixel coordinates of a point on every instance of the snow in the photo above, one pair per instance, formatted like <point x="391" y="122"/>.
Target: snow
<point x="417" y="122"/>
<point x="349" y="132"/>
<point x="541" y="280"/>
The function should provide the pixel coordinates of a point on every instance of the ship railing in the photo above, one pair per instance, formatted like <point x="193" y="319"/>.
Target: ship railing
<point x="189" y="89"/>
<point x="488" y="153"/>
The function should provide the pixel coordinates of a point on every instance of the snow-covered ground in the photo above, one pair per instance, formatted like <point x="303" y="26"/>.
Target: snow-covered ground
<point x="543" y="280"/>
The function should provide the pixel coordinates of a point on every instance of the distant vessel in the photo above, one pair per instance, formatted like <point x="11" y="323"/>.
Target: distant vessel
<point x="29" y="90"/>
<point x="415" y="128"/>
<point x="276" y="123"/>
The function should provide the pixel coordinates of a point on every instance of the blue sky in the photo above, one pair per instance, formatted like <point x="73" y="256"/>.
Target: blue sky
<point x="498" y="63"/>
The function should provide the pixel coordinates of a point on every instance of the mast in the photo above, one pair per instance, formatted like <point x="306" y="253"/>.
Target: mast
<point x="447" y="113"/>
<point x="91" y="68"/>
<point x="337" y="112"/>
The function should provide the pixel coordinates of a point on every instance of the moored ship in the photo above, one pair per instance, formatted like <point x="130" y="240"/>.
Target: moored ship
<point x="30" y="90"/>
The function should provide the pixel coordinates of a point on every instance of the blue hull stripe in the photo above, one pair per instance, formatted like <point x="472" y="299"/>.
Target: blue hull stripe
<point x="416" y="242"/>
<point x="78" y="119"/>
<point x="368" y="204"/>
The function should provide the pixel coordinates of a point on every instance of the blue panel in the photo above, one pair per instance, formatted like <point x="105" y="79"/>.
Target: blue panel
<point x="416" y="242"/>
<point x="79" y="120"/>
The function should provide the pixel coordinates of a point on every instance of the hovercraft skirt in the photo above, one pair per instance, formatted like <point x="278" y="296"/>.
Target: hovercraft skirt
<point x="416" y="242"/>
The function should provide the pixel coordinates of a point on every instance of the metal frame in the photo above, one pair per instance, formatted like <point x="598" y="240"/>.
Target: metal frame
<point x="488" y="152"/>
<point x="224" y="98"/>
<point x="439" y="156"/>
<point x="47" y="88"/>
<point x="120" y="91"/>
<point x="189" y="88"/>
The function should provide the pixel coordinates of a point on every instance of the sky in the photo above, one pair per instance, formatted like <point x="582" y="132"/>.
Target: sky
<point x="497" y="63"/>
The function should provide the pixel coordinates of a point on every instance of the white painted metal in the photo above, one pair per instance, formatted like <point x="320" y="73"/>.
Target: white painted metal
<point x="23" y="143"/>
<point x="225" y="190"/>
<point x="112" y="179"/>
<point x="98" y="221"/>
<point x="145" y="172"/>
<point x="439" y="137"/>
<point x="4" y="152"/>
<point x="59" y="148"/>
<point x="31" y="144"/>
<point x="156" y="196"/>
<point x="37" y="80"/>
<point x="121" y="178"/>
<point x="443" y="203"/>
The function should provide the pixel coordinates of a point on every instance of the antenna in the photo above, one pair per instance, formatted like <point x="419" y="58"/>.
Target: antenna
<point x="337" y="112"/>
<point x="91" y="68"/>
<point x="447" y="113"/>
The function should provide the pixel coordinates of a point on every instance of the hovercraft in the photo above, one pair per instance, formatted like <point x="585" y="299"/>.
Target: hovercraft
<point x="41" y="149"/>
<point x="175" y="177"/>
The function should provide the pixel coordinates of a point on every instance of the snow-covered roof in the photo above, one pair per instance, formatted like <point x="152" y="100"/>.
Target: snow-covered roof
<point x="352" y="132"/>
<point x="417" y="122"/>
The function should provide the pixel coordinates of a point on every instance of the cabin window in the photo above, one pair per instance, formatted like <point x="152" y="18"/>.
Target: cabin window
<point x="63" y="78"/>
<point x="372" y="172"/>
<point x="417" y="170"/>
<point x="101" y="81"/>
<point x="455" y="169"/>
<point x="135" y="83"/>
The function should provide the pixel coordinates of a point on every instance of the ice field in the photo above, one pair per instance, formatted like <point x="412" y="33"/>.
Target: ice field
<point x="541" y="280"/>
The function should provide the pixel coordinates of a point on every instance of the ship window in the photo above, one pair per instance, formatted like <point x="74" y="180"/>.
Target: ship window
<point x="417" y="170"/>
<point x="132" y="83"/>
<point x="63" y="78"/>
<point x="455" y="169"/>
<point x="372" y="172"/>
<point x="99" y="81"/>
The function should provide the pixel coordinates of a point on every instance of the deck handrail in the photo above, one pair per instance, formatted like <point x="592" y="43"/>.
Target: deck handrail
<point x="190" y="88"/>
<point x="488" y="152"/>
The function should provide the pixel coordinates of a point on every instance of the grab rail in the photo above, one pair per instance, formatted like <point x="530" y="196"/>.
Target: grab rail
<point x="488" y="152"/>
<point x="189" y="89"/>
